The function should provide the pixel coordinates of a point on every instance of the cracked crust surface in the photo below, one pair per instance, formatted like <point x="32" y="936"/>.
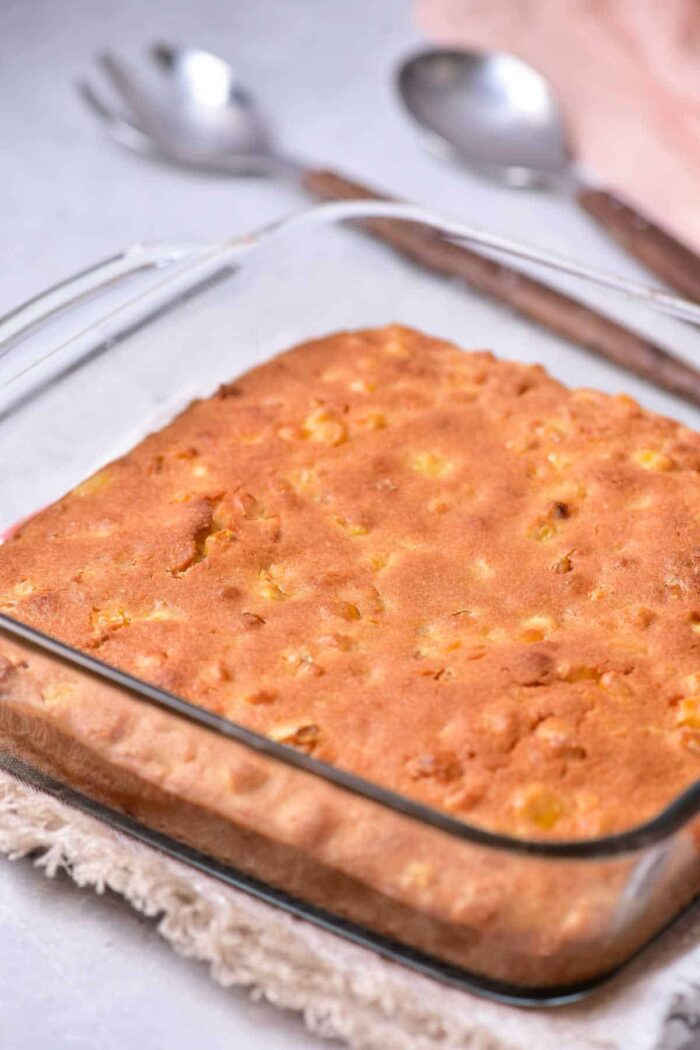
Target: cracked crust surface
<point x="445" y="572"/>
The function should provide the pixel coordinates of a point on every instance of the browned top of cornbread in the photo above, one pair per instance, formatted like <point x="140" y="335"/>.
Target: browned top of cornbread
<point x="445" y="572"/>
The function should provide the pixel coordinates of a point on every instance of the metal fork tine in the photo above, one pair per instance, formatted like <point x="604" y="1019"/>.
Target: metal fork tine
<point x="124" y="131"/>
<point x="98" y="105"/>
<point x="126" y="86"/>
<point x="162" y="56"/>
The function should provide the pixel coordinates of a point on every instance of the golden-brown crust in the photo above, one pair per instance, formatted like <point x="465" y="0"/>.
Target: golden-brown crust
<point x="514" y="918"/>
<point x="447" y="573"/>
<point x="376" y="523"/>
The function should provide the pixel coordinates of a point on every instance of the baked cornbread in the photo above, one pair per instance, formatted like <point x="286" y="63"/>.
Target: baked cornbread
<point x="445" y="572"/>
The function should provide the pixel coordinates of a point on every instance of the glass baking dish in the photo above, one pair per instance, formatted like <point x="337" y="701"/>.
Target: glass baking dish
<point x="89" y="368"/>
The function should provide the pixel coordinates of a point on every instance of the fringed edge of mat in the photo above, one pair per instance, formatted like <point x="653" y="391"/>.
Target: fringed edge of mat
<point x="342" y="991"/>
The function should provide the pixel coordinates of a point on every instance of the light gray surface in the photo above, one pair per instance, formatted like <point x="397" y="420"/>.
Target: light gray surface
<point x="321" y="71"/>
<point x="77" y="972"/>
<point x="82" y="972"/>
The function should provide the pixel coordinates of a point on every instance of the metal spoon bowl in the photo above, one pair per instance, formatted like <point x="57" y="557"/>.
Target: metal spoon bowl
<point x="492" y="111"/>
<point x="187" y="106"/>
<point x="499" y="116"/>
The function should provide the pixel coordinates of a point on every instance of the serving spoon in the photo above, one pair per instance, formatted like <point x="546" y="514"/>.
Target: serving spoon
<point x="188" y="107"/>
<point x="499" y="116"/>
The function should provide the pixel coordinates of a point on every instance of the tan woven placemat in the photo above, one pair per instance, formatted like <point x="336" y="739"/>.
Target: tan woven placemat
<point x="343" y="990"/>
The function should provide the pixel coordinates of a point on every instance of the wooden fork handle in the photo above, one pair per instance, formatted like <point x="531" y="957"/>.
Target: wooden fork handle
<point x="673" y="262"/>
<point x="538" y="302"/>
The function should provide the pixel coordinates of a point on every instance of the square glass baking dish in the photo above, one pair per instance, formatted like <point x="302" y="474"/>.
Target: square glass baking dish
<point x="88" y="369"/>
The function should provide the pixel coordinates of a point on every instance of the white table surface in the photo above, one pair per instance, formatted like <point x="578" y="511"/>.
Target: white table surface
<point x="77" y="971"/>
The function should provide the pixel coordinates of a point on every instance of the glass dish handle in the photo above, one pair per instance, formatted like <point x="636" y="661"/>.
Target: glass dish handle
<point x="186" y="266"/>
<point x="86" y="284"/>
<point x="104" y="275"/>
<point x="167" y="271"/>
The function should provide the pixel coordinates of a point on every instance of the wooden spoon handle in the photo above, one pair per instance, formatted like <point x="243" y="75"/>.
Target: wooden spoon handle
<point x="538" y="302"/>
<point x="673" y="262"/>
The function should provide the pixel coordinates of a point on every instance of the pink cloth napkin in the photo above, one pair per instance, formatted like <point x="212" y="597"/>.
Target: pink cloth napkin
<point x="627" y="74"/>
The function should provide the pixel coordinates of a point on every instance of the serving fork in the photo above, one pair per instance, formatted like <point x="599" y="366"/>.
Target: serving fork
<point x="188" y="107"/>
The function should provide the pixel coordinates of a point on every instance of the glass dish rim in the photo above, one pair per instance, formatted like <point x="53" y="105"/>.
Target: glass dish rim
<point x="197" y="264"/>
<point x="674" y="816"/>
